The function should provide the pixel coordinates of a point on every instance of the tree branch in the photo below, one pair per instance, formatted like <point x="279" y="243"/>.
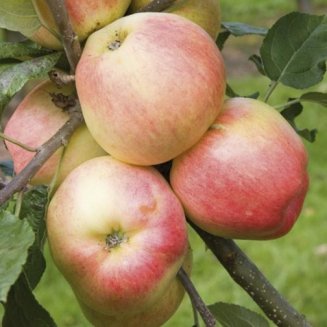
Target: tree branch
<point x="69" y="38"/>
<point x="250" y="278"/>
<point x="196" y="299"/>
<point x="157" y="6"/>
<point x="43" y="154"/>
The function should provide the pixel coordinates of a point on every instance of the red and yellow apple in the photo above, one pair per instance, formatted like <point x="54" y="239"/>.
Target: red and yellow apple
<point x="118" y="234"/>
<point x="150" y="85"/>
<point x="205" y="13"/>
<point x="154" y="316"/>
<point x="86" y="16"/>
<point x="37" y="119"/>
<point x="247" y="177"/>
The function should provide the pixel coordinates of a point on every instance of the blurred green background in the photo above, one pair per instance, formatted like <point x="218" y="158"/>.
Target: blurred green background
<point x="295" y="264"/>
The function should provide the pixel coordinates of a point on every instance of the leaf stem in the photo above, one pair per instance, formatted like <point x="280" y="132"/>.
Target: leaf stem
<point x="14" y="141"/>
<point x="157" y="6"/>
<point x="19" y="202"/>
<point x="270" y="90"/>
<point x="287" y="104"/>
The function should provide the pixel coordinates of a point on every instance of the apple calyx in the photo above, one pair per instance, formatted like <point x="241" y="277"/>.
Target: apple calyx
<point x="63" y="101"/>
<point x="114" y="45"/>
<point x="115" y="239"/>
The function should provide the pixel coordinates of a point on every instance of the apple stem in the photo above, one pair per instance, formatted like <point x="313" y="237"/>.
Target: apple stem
<point x="245" y="273"/>
<point x="157" y="6"/>
<point x="196" y="299"/>
<point x="61" y="78"/>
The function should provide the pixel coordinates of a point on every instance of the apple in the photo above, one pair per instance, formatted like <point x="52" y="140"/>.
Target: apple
<point x="205" y="13"/>
<point x="118" y="234"/>
<point x="45" y="38"/>
<point x="37" y="119"/>
<point x="150" y="85"/>
<point x="154" y="316"/>
<point x="247" y="177"/>
<point x="86" y="16"/>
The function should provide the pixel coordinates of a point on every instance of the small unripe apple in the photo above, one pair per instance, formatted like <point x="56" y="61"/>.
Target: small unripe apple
<point x="118" y="235"/>
<point x="150" y="85"/>
<point x="205" y="13"/>
<point x="86" y="16"/>
<point x="35" y="121"/>
<point x="154" y="316"/>
<point x="247" y="177"/>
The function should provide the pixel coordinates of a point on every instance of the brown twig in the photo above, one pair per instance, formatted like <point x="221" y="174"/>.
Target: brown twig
<point x="43" y="154"/>
<point x="156" y="6"/>
<point x="69" y="38"/>
<point x="250" y="278"/>
<point x="196" y="299"/>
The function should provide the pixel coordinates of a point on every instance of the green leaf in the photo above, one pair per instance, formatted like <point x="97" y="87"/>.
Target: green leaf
<point x="232" y="94"/>
<point x="240" y="29"/>
<point x="258" y="63"/>
<point x="237" y="29"/>
<point x="16" y="236"/>
<point x="4" y="67"/>
<point x="22" y="309"/>
<point x="317" y="97"/>
<point x="222" y="38"/>
<point x="20" y="49"/>
<point x="290" y="113"/>
<point x="295" y="50"/>
<point x="7" y="167"/>
<point x="33" y="209"/>
<point x="14" y="78"/>
<point x="231" y="315"/>
<point x="19" y="16"/>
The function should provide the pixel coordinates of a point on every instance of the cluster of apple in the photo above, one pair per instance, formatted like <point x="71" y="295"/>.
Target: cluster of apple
<point x="151" y="88"/>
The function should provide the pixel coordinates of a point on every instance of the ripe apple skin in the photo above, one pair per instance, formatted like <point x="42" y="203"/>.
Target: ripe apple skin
<point x="86" y="16"/>
<point x="247" y="177"/>
<point x="156" y="92"/>
<point x="102" y="200"/>
<point x="45" y="38"/>
<point x="154" y="316"/>
<point x="205" y="13"/>
<point x="34" y="121"/>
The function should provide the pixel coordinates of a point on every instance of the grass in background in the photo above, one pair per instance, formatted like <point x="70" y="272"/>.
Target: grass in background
<point x="263" y="13"/>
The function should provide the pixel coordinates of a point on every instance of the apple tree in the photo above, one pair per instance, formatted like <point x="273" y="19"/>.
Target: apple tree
<point x="60" y="177"/>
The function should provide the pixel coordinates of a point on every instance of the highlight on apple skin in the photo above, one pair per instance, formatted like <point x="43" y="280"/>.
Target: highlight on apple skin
<point x="150" y="85"/>
<point x="35" y="121"/>
<point x="118" y="235"/>
<point x="86" y="16"/>
<point x="205" y="13"/>
<point x="154" y="316"/>
<point x="247" y="177"/>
